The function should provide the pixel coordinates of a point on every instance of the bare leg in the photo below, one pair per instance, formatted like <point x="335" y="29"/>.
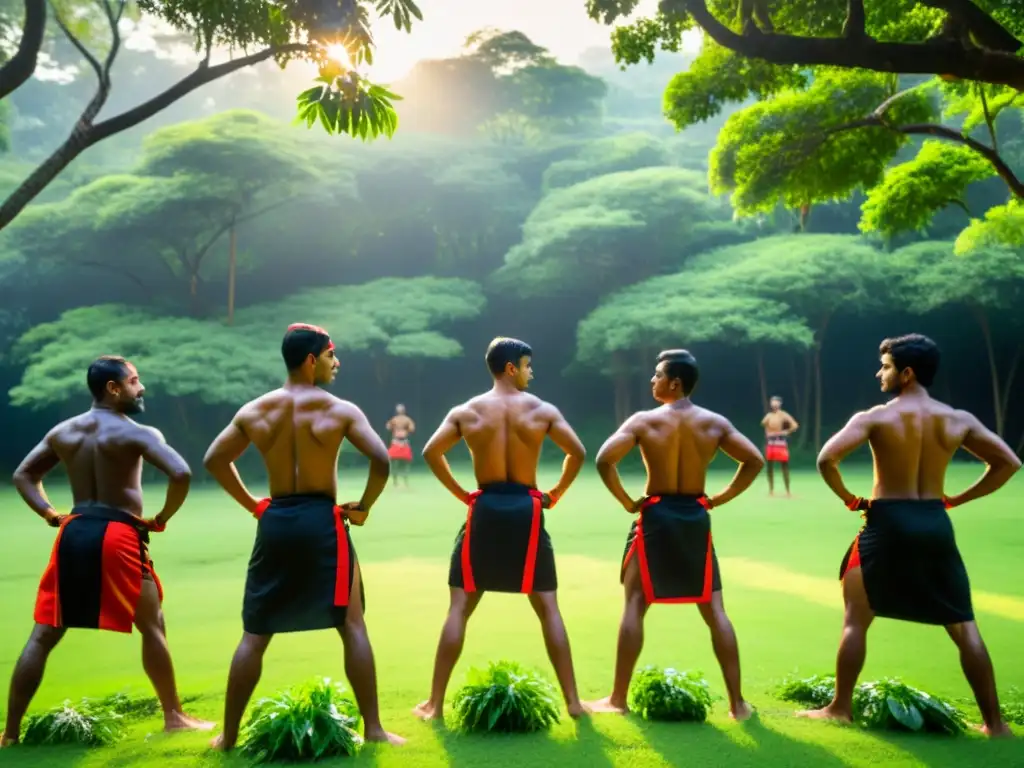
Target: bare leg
<point x="453" y="636"/>
<point x="631" y="641"/>
<point x="723" y="640"/>
<point x="852" y="650"/>
<point x="556" y="640"/>
<point x="360" y="668"/>
<point x="977" y="666"/>
<point x="771" y="477"/>
<point x="28" y="674"/>
<point x="407" y="471"/>
<point x="246" y="667"/>
<point x="785" y="475"/>
<point x="156" y="661"/>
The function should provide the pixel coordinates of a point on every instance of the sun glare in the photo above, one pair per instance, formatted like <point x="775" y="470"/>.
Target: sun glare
<point x="339" y="54"/>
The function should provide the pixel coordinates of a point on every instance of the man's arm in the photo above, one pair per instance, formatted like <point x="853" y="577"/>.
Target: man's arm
<point x="844" y="442"/>
<point x="737" y="447"/>
<point x="28" y="479"/>
<point x="565" y="437"/>
<point x="412" y="426"/>
<point x="368" y="442"/>
<point x="794" y="425"/>
<point x="220" y="460"/>
<point x="442" y="441"/>
<point x="157" y="452"/>
<point x="1001" y="463"/>
<point x="614" y="450"/>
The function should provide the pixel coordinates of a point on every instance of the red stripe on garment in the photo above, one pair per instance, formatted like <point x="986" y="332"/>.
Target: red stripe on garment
<point x="342" y="588"/>
<point x="531" y="548"/>
<point x="468" y="584"/>
<point x="121" y="582"/>
<point x="641" y="550"/>
<point x="854" y="561"/>
<point x="48" y="598"/>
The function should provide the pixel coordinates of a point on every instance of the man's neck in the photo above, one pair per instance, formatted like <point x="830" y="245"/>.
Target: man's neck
<point x="914" y="391"/>
<point x="106" y="409"/>
<point x="298" y="382"/>
<point x="504" y="387"/>
<point x="678" y="404"/>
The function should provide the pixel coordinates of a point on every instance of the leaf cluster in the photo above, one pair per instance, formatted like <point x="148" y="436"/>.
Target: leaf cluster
<point x="505" y="698"/>
<point x="670" y="695"/>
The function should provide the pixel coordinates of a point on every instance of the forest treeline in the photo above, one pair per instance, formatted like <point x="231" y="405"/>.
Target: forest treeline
<point x="547" y="201"/>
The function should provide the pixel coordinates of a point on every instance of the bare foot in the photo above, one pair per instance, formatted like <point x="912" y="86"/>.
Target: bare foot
<point x="427" y="711"/>
<point x="380" y="735"/>
<point x="606" y="705"/>
<point x="7" y="741"/>
<point x="742" y="712"/>
<point x="1001" y="731"/>
<point x="577" y="710"/>
<point x="222" y="744"/>
<point x="179" y="721"/>
<point x="826" y="713"/>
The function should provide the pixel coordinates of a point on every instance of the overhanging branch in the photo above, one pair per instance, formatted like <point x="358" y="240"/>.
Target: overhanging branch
<point x="877" y="119"/>
<point x="938" y="56"/>
<point x="985" y="29"/>
<point x="22" y="64"/>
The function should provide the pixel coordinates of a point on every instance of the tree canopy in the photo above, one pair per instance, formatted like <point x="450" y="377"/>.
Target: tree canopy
<point x="611" y="230"/>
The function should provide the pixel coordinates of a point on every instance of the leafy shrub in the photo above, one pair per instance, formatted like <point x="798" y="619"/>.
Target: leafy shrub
<point x="886" y="704"/>
<point x="308" y="722"/>
<point x="505" y="698"/>
<point x="89" y="724"/>
<point x="666" y="694"/>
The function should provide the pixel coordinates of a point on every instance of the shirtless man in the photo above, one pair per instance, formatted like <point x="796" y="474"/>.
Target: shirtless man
<point x="905" y="564"/>
<point x="400" y="452"/>
<point x="778" y="426"/>
<point x="101" y="550"/>
<point x="503" y="546"/>
<point x="303" y="573"/>
<point x="669" y="555"/>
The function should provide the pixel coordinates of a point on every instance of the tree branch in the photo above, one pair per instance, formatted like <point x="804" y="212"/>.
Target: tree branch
<point x="85" y="133"/>
<point x="854" y="27"/>
<point x="22" y="64"/>
<point x="989" y="120"/>
<point x="877" y="119"/>
<point x="116" y="270"/>
<point x="79" y="46"/>
<point x="986" y="30"/>
<point x="930" y="58"/>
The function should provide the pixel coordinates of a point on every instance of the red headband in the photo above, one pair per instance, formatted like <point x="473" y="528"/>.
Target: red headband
<point x="314" y="328"/>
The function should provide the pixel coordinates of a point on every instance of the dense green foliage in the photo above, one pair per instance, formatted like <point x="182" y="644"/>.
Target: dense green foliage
<point x="667" y="694"/>
<point x="316" y="720"/>
<point x="505" y="698"/>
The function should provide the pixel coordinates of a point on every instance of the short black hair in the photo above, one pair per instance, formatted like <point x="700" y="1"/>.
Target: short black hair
<point x="916" y="352"/>
<point x="301" y="341"/>
<point x="503" y="351"/>
<point x="776" y="397"/>
<point x="102" y="371"/>
<point x="680" y="364"/>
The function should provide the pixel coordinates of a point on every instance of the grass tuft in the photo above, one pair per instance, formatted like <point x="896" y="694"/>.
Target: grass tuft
<point x="308" y="722"/>
<point x="667" y="694"/>
<point x="505" y="698"/>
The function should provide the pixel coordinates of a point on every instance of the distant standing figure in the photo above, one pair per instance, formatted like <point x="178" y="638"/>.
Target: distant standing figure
<point x="400" y="452"/>
<point x="778" y="426"/>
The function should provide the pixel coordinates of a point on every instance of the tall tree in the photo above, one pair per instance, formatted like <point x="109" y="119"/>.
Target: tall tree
<point x="319" y="31"/>
<point x="613" y="230"/>
<point x="989" y="284"/>
<point x="681" y="310"/>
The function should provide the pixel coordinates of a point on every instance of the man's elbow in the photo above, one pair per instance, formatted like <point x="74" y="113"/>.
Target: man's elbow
<point x="826" y="461"/>
<point x="755" y="460"/>
<point x="579" y="453"/>
<point x="180" y="475"/>
<point x="21" y="478"/>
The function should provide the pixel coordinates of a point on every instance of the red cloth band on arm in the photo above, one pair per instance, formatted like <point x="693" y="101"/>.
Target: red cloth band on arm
<point x="261" y="508"/>
<point x="705" y="502"/>
<point x="946" y="502"/>
<point x="858" y="503"/>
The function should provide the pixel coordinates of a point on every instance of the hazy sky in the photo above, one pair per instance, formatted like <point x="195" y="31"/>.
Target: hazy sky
<point x="562" y="26"/>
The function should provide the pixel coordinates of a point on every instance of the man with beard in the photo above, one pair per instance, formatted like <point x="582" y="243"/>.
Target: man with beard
<point x="669" y="556"/>
<point x="503" y="546"/>
<point x="905" y="563"/>
<point x="100" y="575"/>
<point x="303" y="572"/>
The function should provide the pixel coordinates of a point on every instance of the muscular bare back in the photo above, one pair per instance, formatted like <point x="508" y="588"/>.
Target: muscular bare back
<point x="677" y="444"/>
<point x="504" y="434"/>
<point x="103" y="454"/>
<point x="299" y="432"/>
<point x="912" y="442"/>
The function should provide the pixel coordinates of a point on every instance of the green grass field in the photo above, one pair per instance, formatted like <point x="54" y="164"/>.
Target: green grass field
<point x="779" y="561"/>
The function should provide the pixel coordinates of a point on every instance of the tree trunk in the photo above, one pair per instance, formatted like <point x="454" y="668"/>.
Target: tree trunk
<point x="763" y="380"/>
<point x="193" y="294"/>
<point x="1008" y="384"/>
<point x="997" y="400"/>
<point x="232" y="268"/>
<point x="380" y="369"/>
<point x="803" y="396"/>
<point x="817" y="381"/>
